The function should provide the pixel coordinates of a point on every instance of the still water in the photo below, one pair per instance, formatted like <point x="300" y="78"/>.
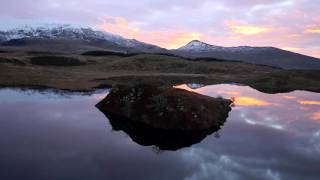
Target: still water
<point x="56" y="135"/>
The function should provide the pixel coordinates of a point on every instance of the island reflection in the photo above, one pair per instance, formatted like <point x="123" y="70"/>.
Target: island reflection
<point x="165" y="117"/>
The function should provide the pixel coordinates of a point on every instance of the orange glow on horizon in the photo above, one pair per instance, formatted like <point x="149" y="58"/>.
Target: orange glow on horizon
<point x="309" y="102"/>
<point x="233" y="93"/>
<point x="312" y="30"/>
<point x="290" y="48"/>
<point x="172" y="38"/>
<point x="247" y="29"/>
<point x="289" y="97"/>
<point x="249" y="101"/>
<point x="185" y="87"/>
<point x="316" y="116"/>
<point x="183" y="39"/>
<point x="238" y="101"/>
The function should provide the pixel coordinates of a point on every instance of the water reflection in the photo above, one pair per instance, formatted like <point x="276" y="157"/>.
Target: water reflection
<point x="273" y="110"/>
<point x="167" y="118"/>
<point x="316" y="116"/>
<point x="53" y="137"/>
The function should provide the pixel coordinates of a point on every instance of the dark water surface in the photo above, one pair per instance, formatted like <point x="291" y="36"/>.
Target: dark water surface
<point x="50" y="135"/>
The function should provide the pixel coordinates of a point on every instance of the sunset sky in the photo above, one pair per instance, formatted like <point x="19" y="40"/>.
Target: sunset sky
<point x="290" y="24"/>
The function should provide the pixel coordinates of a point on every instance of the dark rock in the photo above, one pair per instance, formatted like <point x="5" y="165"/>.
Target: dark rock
<point x="168" y="118"/>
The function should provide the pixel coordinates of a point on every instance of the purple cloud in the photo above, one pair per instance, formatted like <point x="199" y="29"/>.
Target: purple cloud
<point x="289" y="24"/>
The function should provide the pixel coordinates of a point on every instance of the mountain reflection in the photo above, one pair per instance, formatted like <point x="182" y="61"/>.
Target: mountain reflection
<point x="165" y="117"/>
<point x="235" y="96"/>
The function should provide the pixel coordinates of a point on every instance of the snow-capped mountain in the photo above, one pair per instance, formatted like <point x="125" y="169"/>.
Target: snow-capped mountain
<point x="70" y="32"/>
<point x="78" y="39"/>
<point x="198" y="46"/>
<point x="269" y="56"/>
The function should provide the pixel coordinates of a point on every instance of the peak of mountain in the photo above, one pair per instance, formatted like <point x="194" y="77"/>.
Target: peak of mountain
<point x="75" y="33"/>
<point x="197" y="45"/>
<point x="74" y="38"/>
<point x="269" y="56"/>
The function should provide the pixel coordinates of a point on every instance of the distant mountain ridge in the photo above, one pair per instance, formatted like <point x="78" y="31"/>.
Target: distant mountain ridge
<point x="199" y="46"/>
<point x="68" y="38"/>
<point x="67" y="32"/>
<point x="269" y="56"/>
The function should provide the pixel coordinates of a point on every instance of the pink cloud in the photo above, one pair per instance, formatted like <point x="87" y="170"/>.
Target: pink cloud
<point x="167" y="38"/>
<point x="236" y="35"/>
<point x="290" y="24"/>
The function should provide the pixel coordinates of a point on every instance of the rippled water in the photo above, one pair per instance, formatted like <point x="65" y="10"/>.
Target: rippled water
<point x="53" y="135"/>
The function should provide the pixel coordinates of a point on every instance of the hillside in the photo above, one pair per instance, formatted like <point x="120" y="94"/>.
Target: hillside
<point x="256" y="55"/>
<point x="85" y="72"/>
<point x="77" y="40"/>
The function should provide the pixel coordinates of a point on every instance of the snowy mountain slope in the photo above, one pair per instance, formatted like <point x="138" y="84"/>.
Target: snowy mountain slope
<point x="68" y="32"/>
<point x="77" y="39"/>
<point x="256" y="55"/>
<point x="198" y="46"/>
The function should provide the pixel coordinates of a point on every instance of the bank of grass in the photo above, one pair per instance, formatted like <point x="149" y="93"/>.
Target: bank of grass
<point x="55" y="61"/>
<point x="78" y="72"/>
<point x="171" y="64"/>
<point x="284" y="81"/>
<point x="13" y="61"/>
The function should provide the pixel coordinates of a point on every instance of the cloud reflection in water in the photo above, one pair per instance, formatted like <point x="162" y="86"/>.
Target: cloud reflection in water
<point x="72" y="140"/>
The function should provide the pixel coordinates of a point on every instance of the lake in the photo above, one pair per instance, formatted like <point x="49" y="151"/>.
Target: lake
<point x="62" y="135"/>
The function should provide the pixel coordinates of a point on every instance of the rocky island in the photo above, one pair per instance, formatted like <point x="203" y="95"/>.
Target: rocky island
<point x="165" y="117"/>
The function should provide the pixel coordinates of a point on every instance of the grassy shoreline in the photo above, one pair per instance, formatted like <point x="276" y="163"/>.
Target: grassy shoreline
<point x="86" y="73"/>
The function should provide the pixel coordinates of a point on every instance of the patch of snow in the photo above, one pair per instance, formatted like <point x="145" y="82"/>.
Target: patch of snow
<point x="199" y="46"/>
<point x="69" y="31"/>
